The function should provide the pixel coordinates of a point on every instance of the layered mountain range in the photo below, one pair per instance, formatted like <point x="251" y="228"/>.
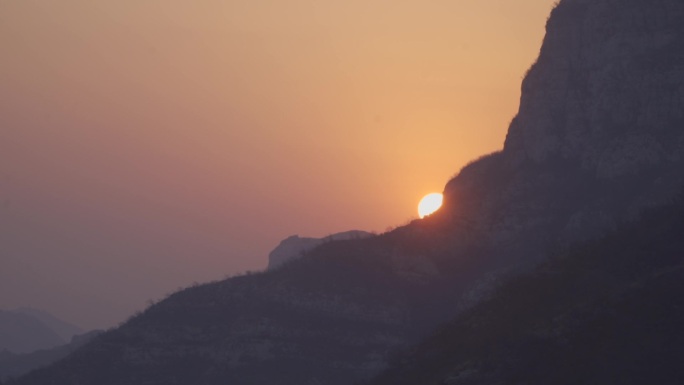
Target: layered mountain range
<point x="22" y="333"/>
<point x="13" y="365"/>
<point x="599" y="138"/>
<point x="26" y="330"/>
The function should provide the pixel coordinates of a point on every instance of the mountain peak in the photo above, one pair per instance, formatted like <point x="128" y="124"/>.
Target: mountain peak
<point x="606" y="91"/>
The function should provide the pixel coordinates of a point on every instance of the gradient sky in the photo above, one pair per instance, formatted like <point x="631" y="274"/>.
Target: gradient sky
<point x="148" y="144"/>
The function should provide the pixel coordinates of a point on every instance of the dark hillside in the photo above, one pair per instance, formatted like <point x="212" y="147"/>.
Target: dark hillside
<point x="608" y="312"/>
<point x="330" y="317"/>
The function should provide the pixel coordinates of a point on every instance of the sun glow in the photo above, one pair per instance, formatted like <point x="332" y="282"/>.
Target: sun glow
<point x="429" y="204"/>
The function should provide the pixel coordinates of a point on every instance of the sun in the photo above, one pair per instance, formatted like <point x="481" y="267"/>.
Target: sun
<point x="429" y="204"/>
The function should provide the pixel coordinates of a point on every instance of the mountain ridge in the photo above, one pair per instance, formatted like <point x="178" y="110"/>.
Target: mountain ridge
<point x="63" y="328"/>
<point x="295" y="246"/>
<point x="568" y="173"/>
<point x="24" y="333"/>
<point x="606" y="311"/>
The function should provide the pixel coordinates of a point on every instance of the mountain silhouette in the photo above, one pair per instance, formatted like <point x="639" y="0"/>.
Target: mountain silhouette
<point x="64" y="329"/>
<point x="13" y="365"/>
<point x="609" y="311"/>
<point x="295" y="246"/>
<point x="597" y="141"/>
<point x="23" y="333"/>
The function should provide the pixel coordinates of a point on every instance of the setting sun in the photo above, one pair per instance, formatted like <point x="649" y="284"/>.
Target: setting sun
<point x="429" y="204"/>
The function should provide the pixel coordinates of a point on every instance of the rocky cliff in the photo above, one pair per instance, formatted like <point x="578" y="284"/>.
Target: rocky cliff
<point x="597" y="139"/>
<point x="606" y="91"/>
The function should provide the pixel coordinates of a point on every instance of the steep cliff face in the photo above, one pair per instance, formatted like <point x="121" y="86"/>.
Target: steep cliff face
<point x="14" y="365"/>
<point x="607" y="90"/>
<point x="599" y="135"/>
<point x="597" y="139"/>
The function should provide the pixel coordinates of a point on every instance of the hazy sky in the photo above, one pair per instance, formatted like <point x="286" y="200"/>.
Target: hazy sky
<point x="147" y="144"/>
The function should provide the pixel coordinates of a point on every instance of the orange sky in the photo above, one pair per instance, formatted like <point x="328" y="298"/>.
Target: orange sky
<point x="145" y="145"/>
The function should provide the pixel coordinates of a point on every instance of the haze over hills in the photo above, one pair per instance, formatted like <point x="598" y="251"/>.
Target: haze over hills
<point x="24" y="333"/>
<point x="32" y="338"/>
<point x="64" y="329"/>
<point x="14" y="365"/>
<point x="598" y="139"/>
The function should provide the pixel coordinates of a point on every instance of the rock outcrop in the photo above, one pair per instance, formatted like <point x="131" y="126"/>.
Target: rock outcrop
<point x="295" y="246"/>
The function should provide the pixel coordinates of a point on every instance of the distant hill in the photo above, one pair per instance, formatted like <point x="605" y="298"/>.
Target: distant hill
<point x="24" y="333"/>
<point x="608" y="312"/>
<point x="295" y="246"/>
<point x="64" y="329"/>
<point x="15" y="365"/>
